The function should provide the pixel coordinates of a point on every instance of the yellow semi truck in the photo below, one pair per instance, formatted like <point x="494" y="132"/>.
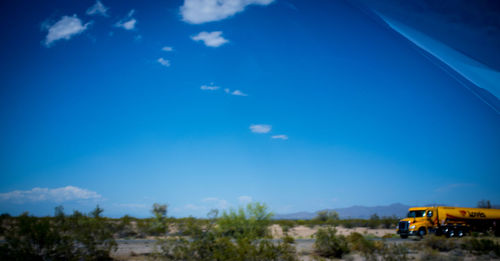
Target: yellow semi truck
<point x="449" y="221"/>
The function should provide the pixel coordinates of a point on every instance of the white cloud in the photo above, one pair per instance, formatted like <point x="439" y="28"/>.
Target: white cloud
<point x="67" y="193"/>
<point x="209" y="87"/>
<point x="167" y="48"/>
<point x="260" y="128"/>
<point x="212" y="39"/>
<point x="239" y="93"/>
<point x="226" y="90"/>
<point x="244" y="199"/>
<point x="98" y="9"/>
<point x="216" y="203"/>
<point x="164" y="62"/>
<point x="134" y="206"/>
<point x="202" y="11"/>
<point x="449" y="187"/>
<point x="281" y="136"/>
<point x="194" y="207"/>
<point x="127" y="23"/>
<point x="65" y="28"/>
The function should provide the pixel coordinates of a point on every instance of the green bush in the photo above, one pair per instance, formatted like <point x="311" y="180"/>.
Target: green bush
<point x="438" y="243"/>
<point x="75" y="237"/>
<point x="124" y="227"/>
<point x="251" y="222"/>
<point x="480" y="246"/>
<point x="392" y="252"/>
<point x="234" y="236"/>
<point x="329" y="245"/>
<point x="288" y="239"/>
<point x="374" y="221"/>
<point x="158" y="225"/>
<point x="326" y="217"/>
<point x="358" y="242"/>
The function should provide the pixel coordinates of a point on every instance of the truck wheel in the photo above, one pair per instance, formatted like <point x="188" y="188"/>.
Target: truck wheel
<point x="404" y="236"/>
<point x="422" y="232"/>
<point x="460" y="233"/>
<point x="451" y="233"/>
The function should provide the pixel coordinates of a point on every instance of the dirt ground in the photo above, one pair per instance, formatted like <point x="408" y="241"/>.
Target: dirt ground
<point x="141" y="249"/>
<point x="304" y="232"/>
<point x="138" y="249"/>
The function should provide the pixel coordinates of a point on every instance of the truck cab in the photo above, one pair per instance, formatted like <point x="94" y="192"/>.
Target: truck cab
<point x="418" y="222"/>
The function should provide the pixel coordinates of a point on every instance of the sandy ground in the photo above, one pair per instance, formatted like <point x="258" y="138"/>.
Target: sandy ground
<point x="308" y="232"/>
<point x="137" y="249"/>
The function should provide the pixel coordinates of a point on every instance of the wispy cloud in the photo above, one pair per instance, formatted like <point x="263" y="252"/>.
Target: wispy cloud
<point x="260" y="128"/>
<point x="244" y="200"/>
<point x="67" y="193"/>
<point x="235" y="92"/>
<point x="216" y="202"/>
<point x="163" y="62"/>
<point x="212" y="39"/>
<point x="194" y="207"/>
<point x="202" y="11"/>
<point x="65" y="28"/>
<point x="98" y="9"/>
<point x="167" y="48"/>
<point x="280" y="137"/>
<point x="453" y="186"/>
<point x="128" y="23"/>
<point x="209" y="87"/>
<point x="133" y="206"/>
<point x="238" y="93"/>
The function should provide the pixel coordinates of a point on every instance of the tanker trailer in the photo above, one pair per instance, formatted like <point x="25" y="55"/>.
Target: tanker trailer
<point x="449" y="221"/>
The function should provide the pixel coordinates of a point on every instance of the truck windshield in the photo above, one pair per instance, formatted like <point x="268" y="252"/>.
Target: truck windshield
<point x="416" y="213"/>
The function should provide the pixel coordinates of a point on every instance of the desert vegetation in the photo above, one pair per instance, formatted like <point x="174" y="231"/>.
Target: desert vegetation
<point x="75" y="237"/>
<point x="245" y="233"/>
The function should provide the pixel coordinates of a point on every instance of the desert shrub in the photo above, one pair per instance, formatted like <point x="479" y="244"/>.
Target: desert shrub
<point x="329" y="244"/>
<point x="439" y="243"/>
<point x="124" y="227"/>
<point x="429" y="254"/>
<point x="386" y="236"/>
<point x="326" y="217"/>
<point x="301" y="222"/>
<point x="285" y="228"/>
<point x="4" y="219"/>
<point x="389" y="222"/>
<point x="480" y="246"/>
<point x="348" y="224"/>
<point x="288" y="239"/>
<point x="143" y="227"/>
<point x="283" y="251"/>
<point x="213" y="241"/>
<point x="251" y="222"/>
<point x="75" y="237"/>
<point x="158" y="225"/>
<point x="374" y="221"/>
<point x="31" y="238"/>
<point x="391" y="252"/>
<point x="285" y="224"/>
<point x="92" y="232"/>
<point x="358" y="242"/>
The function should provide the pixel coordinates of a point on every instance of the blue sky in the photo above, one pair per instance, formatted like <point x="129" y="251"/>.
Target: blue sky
<point x="302" y="106"/>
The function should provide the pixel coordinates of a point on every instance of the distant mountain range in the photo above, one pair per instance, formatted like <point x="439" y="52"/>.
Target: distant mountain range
<point x="397" y="209"/>
<point x="363" y="212"/>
